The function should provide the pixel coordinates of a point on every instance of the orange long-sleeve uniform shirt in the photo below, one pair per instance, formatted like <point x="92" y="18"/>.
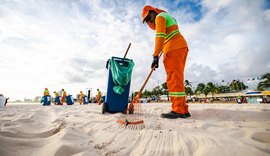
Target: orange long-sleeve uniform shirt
<point x="46" y="92"/>
<point x="56" y="94"/>
<point x="168" y="37"/>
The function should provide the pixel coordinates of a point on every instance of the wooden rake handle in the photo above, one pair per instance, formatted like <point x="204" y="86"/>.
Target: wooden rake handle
<point x="127" y="50"/>
<point x="131" y="106"/>
<point x="149" y="75"/>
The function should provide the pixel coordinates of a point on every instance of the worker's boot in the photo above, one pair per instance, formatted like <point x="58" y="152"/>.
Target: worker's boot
<point x="172" y="115"/>
<point x="188" y="115"/>
<point x="186" y="110"/>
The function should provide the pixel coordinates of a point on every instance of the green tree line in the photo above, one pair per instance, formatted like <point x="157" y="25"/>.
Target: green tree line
<point x="209" y="88"/>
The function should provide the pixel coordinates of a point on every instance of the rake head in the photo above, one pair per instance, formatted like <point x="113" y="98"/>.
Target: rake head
<point x="133" y="124"/>
<point x="133" y="117"/>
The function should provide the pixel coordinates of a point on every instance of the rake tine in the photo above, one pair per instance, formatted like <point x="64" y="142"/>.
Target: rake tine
<point x="132" y="121"/>
<point x="119" y="126"/>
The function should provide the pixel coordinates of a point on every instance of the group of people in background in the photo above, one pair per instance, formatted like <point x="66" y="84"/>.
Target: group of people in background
<point x="61" y="97"/>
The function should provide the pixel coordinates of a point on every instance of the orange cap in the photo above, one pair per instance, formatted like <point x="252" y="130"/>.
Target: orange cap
<point x="146" y="10"/>
<point x="46" y="88"/>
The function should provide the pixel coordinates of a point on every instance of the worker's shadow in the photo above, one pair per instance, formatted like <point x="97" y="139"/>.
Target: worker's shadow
<point x="222" y="115"/>
<point x="230" y="115"/>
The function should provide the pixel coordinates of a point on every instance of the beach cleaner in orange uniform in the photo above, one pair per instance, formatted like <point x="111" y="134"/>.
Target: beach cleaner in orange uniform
<point x="81" y="97"/>
<point x="56" y="98"/>
<point x="170" y="41"/>
<point x="46" y="97"/>
<point x="64" y="95"/>
<point x="99" y="97"/>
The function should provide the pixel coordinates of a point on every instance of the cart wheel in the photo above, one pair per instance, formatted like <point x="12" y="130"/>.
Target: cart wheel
<point x="104" y="108"/>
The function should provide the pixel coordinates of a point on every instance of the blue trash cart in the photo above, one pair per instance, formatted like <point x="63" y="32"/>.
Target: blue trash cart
<point x="46" y="100"/>
<point x="114" y="102"/>
<point x="69" y="100"/>
<point x="85" y="100"/>
<point x="57" y="100"/>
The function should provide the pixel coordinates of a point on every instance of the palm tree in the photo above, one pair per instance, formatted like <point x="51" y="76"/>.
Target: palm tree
<point x="187" y="83"/>
<point x="211" y="88"/>
<point x="202" y="89"/>
<point x="218" y="88"/>
<point x="188" y="88"/>
<point x="265" y="84"/>
<point x="165" y="89"/>
<point x="237" y="85"/>
<point x="146" y="94"/>
<point x="189" y="91"/>
<point x="156" y="91"/>
<point x="232" y="85"/>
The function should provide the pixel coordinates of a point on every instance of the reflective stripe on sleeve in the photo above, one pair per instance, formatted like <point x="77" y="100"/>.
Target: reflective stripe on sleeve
<point x="160" y="35"/>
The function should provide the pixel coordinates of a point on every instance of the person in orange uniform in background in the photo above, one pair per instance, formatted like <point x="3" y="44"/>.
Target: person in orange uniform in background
<point x="81" y="97"/>
<point x="98" y="97"/>
<point x="175" y="50"/>
<point x="64" y="95"/>
<point x="46" y="98"/>
<point x="56" y="98"/>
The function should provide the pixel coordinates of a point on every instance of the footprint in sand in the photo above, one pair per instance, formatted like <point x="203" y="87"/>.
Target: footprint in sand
<point x="44" y="116"/>
<point x="41" y="124"/>
<point x="263" y="137"/>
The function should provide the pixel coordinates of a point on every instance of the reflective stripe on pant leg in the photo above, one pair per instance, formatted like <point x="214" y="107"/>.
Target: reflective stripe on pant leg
<point x="174" y="62"/>
<point x="177" y="94"/>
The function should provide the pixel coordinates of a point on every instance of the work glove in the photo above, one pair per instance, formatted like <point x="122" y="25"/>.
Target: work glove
<point x="155" y="62"/>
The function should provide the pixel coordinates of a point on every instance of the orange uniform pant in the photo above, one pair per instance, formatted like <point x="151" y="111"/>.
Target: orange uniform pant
<point x="174" y="63"/>
<point x="63" y="99"/>
<point x="98" y="99"/>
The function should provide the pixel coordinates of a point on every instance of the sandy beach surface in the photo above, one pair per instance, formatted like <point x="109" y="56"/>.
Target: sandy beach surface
<point x="82" y="130"/>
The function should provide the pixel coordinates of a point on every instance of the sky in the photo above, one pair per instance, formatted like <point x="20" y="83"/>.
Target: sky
<point x="59" y="44"/>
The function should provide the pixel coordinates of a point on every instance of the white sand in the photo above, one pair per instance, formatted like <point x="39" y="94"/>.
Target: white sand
<point x="213" y="130"/>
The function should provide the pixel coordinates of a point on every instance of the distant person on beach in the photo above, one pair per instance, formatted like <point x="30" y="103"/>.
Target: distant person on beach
<point x="99" y="97"/>
<point x="46" y="99"/>
<point x="175" y="50"/>
<point x="64" y="95"/>
<point x="57" y="98"/>
<point x="81" y="97"/>
<point x="46" y="92"/>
